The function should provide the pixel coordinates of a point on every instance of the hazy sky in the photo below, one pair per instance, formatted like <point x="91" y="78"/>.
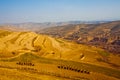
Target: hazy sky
<point x="17" y="11"/>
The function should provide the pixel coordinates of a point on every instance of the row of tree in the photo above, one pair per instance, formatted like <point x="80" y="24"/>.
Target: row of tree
<point x="73" y="69"/>
<point x="25" y="63"/>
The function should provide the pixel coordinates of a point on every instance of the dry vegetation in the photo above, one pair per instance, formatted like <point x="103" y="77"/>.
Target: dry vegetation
<point x="29" y="56"/>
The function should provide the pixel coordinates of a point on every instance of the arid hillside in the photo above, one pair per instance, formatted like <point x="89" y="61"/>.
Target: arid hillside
<point x="103" y="35"/>
<point x="41" y="57"/>
<point x="15" y="43"/>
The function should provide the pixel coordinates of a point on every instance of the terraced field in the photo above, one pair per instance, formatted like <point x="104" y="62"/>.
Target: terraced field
<point x="29" y="56"/>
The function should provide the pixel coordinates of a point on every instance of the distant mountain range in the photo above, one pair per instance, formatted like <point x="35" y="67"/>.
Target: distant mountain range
<point x="31" y="26"/>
